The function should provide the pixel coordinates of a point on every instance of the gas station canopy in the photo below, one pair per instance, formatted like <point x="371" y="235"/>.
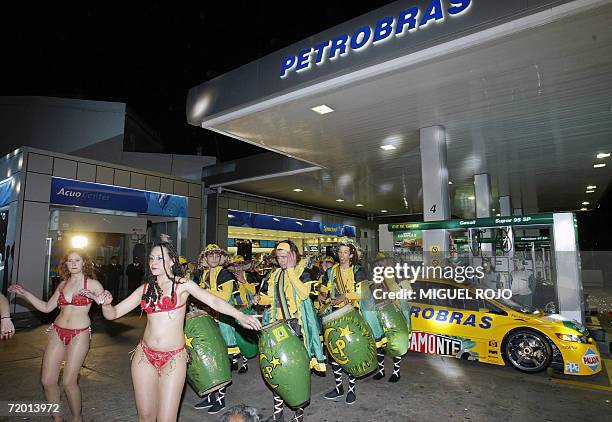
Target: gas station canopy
<point x="522" y="88"/>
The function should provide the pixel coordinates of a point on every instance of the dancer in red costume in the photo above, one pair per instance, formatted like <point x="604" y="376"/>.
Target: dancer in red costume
<point x="159" y="362"/>
<point x="70" y="332"/>
<point x="7" y="329"/>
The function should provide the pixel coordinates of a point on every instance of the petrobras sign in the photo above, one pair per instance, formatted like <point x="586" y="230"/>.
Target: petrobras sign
<point x="96" y="195"/>
<point x="405" y="22"/>
<point x="446" y="317"/>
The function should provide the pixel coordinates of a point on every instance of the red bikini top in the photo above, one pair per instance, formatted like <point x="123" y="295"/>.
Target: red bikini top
<point x="77" y="300"/>
<point x="164" y="303"/>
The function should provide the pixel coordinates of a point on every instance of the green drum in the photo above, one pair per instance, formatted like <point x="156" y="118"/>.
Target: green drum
<point x="247" y="339"/>
<point x="349" y="340"/>
<point x="395" y="327"/>
<point x="284" y="363"/>
<point x="208" y="368"/>
<point x="324" y="311"/>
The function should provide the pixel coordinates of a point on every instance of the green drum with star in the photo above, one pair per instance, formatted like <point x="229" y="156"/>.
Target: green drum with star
<point x="349" y="341"/>
<point x="395" y="327"/>
<point x="247" y="339"/>
<point x="209" y="368"/>
<point x="284" y="363"/>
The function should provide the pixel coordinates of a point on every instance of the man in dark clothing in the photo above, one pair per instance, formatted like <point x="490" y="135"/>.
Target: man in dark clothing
<point x="113" y="273"/>
<point x="99" y="271"/>
<point x="135" y="273"/>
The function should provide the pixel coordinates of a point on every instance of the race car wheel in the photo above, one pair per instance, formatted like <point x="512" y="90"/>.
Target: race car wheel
<point x="527" y="351"/>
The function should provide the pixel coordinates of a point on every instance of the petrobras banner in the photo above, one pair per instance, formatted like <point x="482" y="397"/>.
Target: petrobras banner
<point x="5" y="191"/>
<point x="95" y="195"/>
<point x="271" y="222"/>
<point x="400" y="25"/>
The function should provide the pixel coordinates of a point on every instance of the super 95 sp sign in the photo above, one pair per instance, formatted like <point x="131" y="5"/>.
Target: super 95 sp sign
<point x="385" y="29"/>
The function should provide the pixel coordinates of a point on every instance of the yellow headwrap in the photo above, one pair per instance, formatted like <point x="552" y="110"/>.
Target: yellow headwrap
<point x="283" y="247"/>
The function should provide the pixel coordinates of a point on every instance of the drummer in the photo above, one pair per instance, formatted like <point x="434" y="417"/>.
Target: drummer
<point x="325" y="263"/>
<point x="287" y="291"/>
<point x="245" y="289"/>
<point x="390" y="284"/>
<point x="341" y="285"/>
<point x="247" y="282"/>
<point x="220" y="282"/>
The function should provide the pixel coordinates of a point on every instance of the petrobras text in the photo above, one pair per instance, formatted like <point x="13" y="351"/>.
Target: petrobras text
<point x="412" y="272"/>
<point x="452" y="317"/>
<point x="389" y="27"/>
<point x="442" y="294"/>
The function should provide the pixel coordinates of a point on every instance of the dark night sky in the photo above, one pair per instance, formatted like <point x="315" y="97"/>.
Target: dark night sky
<point x="149" y="55"/>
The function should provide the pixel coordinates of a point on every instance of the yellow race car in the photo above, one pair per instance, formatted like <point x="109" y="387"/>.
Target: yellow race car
<point x="453" y="319"/>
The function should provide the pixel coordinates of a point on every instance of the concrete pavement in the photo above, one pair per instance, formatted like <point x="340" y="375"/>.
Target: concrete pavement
<point x="432" y="388"/>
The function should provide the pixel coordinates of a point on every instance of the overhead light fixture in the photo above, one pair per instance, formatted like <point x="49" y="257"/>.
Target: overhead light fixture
<point x="387" y="147"/>
<point x="583" y="209"/>
<point x="597" y="166"/>
<point x="471" y="198"/>
<point x="339" y="200"/>
<point x="590" y="191"/>
<point x="591" y="187"/>
<point x="298" y="190"/>
<point x="498" y="215"/>
<point x="493" y="210"/>
<point x="384" y="211"/>
<point x="322" y="109"/>
<point x="586" y="203"/>
<point x="603" y="155"/>
<point x="450" y="183"/>
<point x="359" y="205"/>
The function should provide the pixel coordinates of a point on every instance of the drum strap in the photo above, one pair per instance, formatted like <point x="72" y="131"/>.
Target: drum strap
<point x="205" y="282"/>
<point x="341" y="283"/>
<point x="202" y="282"/>
<point x="336" y="278"/>
<point x="280" y="294"/>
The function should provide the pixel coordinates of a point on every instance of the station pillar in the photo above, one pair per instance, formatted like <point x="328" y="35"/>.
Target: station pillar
<point x="436" y="206"/>
<point x="567" y="262"/>
<point x="505" y="206"/>
<point x="482" y="187"/>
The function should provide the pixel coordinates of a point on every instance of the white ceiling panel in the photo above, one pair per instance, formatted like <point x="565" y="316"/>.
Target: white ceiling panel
<point x="532" y="109"/>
